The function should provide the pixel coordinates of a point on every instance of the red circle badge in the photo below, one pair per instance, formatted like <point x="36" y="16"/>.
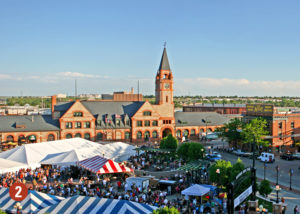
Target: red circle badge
<point x="18" y="191"/>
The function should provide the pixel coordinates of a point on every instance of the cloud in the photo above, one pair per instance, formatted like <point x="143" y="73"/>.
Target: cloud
<point x="5" y="76"/>
<point x="77" y="74"/>
<point x="241" y="87"/>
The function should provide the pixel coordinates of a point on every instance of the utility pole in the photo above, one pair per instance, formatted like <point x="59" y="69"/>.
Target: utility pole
<point x="253" y="196"/>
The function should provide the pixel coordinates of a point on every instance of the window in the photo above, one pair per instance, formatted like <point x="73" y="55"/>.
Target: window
<point x="280" y="125"/>
<point x="118" y="123"/>
<point x="99" y="136"/>
<point x="167" y="99"/>
<point x="139" y="123"/>
<point x="154" y="123"/>
<point x="127" y="135"/>
<point x="147" y="113"/>
<point x="77" y="125"/>
<point x="68" y="125"/>
<point x="68" y="136"/>
<point x="77" y="114"/>
<point x="193" y="132"/>
<point x="147" y="123"/>
<point x="154" y="134"/>
<point x="87" y="125"/>
<point x="50" y="137"/>
<point x="139" y="135"/>
<point x="10" y="138"/>
<point x="147" y="135"/>
<point x="78" y="135"/>
<point x="87" y="136"/>
<point x="186" y="132"/>
<point x="127" y="122"/>
<point x="292" y="125"/>
<point x="201" y="130"/>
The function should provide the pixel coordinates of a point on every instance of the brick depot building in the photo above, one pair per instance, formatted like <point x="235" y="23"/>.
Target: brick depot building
<point x="132" y="121"/>
<point x="282" y="124"/>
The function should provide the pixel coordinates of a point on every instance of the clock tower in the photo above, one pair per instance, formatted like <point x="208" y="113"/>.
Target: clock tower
<point x="164" y="82"/>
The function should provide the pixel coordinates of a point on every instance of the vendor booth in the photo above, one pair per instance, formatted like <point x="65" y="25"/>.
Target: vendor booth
<point x="100" y="165"/>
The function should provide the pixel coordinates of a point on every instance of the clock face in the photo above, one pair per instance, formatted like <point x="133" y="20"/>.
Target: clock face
<point x="167" y="86"/>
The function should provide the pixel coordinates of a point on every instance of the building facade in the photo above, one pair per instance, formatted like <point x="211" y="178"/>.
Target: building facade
<point x="282" y="123"/>
<point x="130" y="120"/>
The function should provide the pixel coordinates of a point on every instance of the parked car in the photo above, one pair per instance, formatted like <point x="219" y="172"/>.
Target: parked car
<point x="287" y="156"/>
<point x="267" y="157"/>
<point x="296" y="156"/>
<point x="213" y="158"/>
<point x="217" y="154"/>
<point x="238" y="152"/>
<point x="247" y="154"/>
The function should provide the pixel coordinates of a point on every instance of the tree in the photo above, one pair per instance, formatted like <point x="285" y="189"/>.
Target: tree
<point x="237" y="168"/>
<point x="220" y="172"/>
<point x="191" y="151"/>
<point x="166" y="210"/>
<point x="264" y="188"/>
<point x="231" y="131"/>
<point x="254" y="131"/>
<point x="169" y="142"/>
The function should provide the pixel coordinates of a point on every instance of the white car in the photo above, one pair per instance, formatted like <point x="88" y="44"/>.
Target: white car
<point x="217" y="154"/>
<point x="238" y="152"/>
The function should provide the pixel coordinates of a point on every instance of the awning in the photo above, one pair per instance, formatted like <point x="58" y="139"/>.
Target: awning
<point x="85" y="204"/>
<point x="195" y="190"/>
<point x="102" y="165"/>
<point x="31" y="204"/>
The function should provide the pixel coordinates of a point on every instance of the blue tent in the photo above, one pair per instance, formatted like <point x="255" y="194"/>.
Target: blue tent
<point x="31" y="204"/>
<point x="86" y="205"/>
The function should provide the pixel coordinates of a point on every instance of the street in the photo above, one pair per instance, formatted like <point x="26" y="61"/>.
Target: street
<point x="291" y="198"/>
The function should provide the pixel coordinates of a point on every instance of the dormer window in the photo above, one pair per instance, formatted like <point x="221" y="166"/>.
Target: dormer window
<point x="118" y="123"/>
<point x="99" y="122"/>
<point x="147" y="113"/>
<point x="78" y="114"/>
<point x="127" y="122"/>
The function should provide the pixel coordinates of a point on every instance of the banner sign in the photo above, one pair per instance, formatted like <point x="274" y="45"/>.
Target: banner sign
<point x="242" y="196"/>
<point x="259" y="109"/>
<point x="242" y="172"/>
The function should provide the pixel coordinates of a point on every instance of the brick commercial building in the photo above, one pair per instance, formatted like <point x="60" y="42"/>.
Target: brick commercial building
<point x="219" y="108"/>
<point x="282" y="123"/>
<point x="135" y="121"/>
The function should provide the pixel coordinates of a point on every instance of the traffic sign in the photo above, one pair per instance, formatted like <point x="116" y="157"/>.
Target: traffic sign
<point x="18" y="191"/>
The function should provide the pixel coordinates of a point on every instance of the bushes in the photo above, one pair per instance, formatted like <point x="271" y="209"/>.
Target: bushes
<point x="166" y="210"/>
<point x="169" y="142"/>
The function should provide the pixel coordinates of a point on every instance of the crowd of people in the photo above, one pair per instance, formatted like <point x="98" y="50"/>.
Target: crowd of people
<point x="71" y="181"/>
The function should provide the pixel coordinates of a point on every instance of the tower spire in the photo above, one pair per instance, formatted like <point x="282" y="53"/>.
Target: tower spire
<point x="164" y="63"/>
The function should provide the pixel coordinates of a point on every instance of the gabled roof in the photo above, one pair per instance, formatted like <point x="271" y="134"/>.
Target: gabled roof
<point x="164" y="63"/>
<point x="199" y="118"/>
<point x="10" y="123"/>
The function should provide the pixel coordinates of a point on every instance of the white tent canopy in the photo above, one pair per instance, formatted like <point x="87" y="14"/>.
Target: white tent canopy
<point x="195" y="190"/>
<point x="10" y="166"/>
<point x="60" y="151"/>
<point x="62" y="159"/>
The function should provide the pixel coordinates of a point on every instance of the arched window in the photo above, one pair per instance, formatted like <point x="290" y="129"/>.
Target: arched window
<point x="201" y="130"/>
<point x="178" y="133"/>
<point x="21" y="139"/>
<point x="193" y="132"/>
<point x="209" y="130"/>
<point x="32" y="138"/>
<point x="147" y="135"/>
<point x="139" y="135"/>
<point x="186" y="132"/>
<point x="99" y="136"/>
<point x="78" y="135"/>
<point x="127" y="135"/>
<point x="68" y="136"/>
<point x="87" y="136"/>
<point x="10" y="138"/>
<point x="154" y="134"/>
<point x="50" y="137"/>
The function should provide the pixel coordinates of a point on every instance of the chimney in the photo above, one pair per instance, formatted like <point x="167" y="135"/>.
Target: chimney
<point x="53" y="103"/>
<point x="132" y="90"/>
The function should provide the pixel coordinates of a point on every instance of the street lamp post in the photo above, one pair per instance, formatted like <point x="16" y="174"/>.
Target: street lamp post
<point x="265" y="167"/>
<point x="277" y="173"/>
<point x="277" y="189"/>
<point x="291" y="173"/>
<point x="218" y="172"/>
<point x="253" y="196"/>
<point x="202" y="150"/>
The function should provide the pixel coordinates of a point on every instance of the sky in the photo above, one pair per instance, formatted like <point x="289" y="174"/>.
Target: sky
<point x="215" y="47"/>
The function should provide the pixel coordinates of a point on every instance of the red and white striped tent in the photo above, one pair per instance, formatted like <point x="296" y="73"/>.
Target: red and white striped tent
<point x="100" y="165"/>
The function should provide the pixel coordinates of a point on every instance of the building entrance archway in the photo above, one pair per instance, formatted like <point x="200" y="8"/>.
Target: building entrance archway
<point x="166" y="132"/>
